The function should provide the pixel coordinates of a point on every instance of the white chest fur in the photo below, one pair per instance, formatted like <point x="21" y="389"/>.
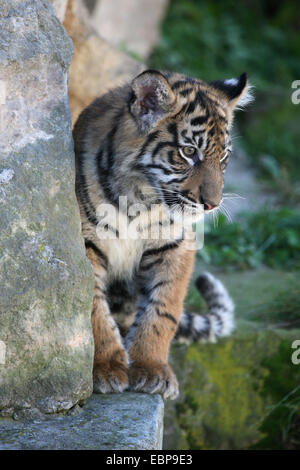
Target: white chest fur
<point x="123" y="255"/>
<point x="123" y="240"/>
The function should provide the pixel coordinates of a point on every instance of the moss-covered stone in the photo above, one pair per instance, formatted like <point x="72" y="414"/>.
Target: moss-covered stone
<point x="226" y="391"/>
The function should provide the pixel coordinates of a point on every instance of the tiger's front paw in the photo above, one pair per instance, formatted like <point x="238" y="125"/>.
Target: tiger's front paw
<point x="153" y="378"/>
<point x="111" y="376"/>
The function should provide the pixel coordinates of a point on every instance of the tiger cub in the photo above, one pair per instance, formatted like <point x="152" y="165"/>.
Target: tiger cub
<point x="147" y="152"/>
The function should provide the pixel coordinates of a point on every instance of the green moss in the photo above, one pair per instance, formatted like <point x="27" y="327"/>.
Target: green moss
<point x="227" y="391"/>
<point x="281" y="423"/>
<point x="41" y="247"/>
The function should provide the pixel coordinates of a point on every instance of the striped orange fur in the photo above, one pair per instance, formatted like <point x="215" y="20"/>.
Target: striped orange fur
<point x="162" y="140"/>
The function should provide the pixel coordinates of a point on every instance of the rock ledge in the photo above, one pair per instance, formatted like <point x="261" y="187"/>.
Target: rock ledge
<point x="130" y="421"/>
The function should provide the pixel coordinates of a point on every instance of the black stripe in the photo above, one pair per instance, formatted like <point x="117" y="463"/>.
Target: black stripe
<point x="196" y="133"/>
<point x="199" y="100"/>
<point x="181" y="83"/>
<point x="160" y="167"/>
<point x="186" y="92"/>
<point x="178" y="84"/>
<point x="148" y="291"/>
<point x="109" y="227"/>
<point x="191" y="106"/>
<point x="101" y="290"/>
<point x="151" y="137"/>
<point x="197" y="121"/>
<point x="160" y="146"/>
<point x="202" y="99"/>
<point x="218" y="317"/>
<point x="166" y="315"/>
<point x="185" y="193"/>
<point x="172" y="128"/>
<point x="200" y="140"/>
<point x="150" y="265"/>
<point x="168" y="246"/>
<point x="88" y="207"/>
<point x="171" y="157"/>
<point x="187" y="139"/>
<point x="205" y="331"/>
<point x="99" y="253"/>
<point x="105" y="174"/>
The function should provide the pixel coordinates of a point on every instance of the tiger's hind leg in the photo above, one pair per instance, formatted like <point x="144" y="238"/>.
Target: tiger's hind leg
<point x="110" y="371"/>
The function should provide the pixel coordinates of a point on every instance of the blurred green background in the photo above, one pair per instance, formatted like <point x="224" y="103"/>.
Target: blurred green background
<point x="244" y="392"/>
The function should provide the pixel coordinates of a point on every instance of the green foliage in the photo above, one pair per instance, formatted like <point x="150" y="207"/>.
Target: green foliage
<point x="214" y="40"/>
<point x="269" y="238"/>
<point x="220" y="395"/>
<point x="283" y="310"/>
<point x="271" y="137"/>
<point x="281" y="424"/>
<point x="240" y="393"/>
<point x="222" y="39"/>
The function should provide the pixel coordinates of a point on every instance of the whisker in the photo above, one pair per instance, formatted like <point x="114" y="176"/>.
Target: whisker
<point x="232" y="196"/>
<point x="218" y="212"/>
<point x="235" y="136"/>
<point x="215" y="218"/>
<point x="226" y="212"/>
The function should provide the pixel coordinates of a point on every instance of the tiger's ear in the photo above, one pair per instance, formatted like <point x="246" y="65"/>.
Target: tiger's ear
<point x="152" y="99"/>
<point x="236" y="90"/>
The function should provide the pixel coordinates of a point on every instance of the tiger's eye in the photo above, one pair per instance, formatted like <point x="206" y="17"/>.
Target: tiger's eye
<point x="189" y="151"/>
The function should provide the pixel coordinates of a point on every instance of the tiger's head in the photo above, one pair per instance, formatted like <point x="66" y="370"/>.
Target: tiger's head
<point x="183" y="127"/>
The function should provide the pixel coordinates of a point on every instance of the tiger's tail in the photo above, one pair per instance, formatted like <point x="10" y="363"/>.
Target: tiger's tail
<point x="218" y="322"/>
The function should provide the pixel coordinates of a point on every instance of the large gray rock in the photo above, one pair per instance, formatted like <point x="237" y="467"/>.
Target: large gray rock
<point x="46" y="346"/>
<point x="130" y="421"/>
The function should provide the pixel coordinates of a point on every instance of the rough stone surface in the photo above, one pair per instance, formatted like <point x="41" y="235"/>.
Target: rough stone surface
<point x="129" y="24"/>
<point x="46" y="346"/>
<point x="129" y="421"/>
<point x="96" y="66"/>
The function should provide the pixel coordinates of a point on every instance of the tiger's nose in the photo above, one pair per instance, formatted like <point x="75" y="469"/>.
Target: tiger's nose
<point x="208" y="206"/>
